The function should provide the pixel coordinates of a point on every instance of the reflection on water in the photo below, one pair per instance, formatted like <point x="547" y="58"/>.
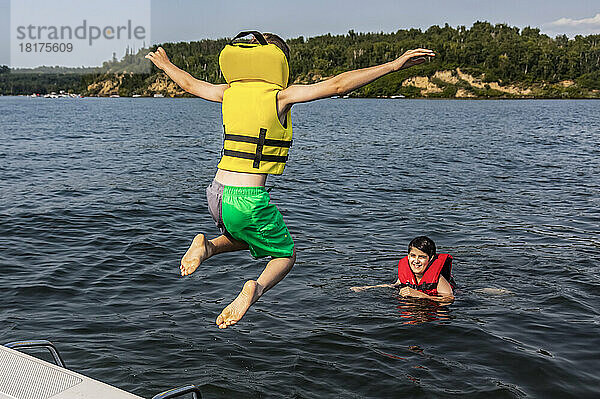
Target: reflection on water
<point x="417" y="311"/>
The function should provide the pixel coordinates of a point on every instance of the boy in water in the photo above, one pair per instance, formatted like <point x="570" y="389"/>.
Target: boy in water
<point x="256" y="119"/>
<point x="423" y="273"/>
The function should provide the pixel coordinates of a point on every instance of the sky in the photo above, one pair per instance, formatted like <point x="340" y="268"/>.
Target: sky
<point x="188" y="20"/>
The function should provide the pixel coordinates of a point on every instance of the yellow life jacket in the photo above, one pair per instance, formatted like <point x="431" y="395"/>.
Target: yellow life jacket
<point x="255" y="140"/>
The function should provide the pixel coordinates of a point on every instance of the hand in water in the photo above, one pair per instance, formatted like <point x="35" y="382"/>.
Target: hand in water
<point x="407" y="291"/>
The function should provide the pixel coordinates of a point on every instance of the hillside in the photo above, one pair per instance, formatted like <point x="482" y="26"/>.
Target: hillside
<point x="484" y="61"/>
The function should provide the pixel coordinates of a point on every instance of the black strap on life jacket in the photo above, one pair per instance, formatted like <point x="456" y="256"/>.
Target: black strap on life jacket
<point x="420" y="287"/>
<point x="257" y="160"/>
<point x="257" y="35"/>
<point x="254" y="140"/>
<point x="260" y="142"/>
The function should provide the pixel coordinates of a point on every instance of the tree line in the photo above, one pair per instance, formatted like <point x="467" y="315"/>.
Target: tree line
<point x="496" y="53"/>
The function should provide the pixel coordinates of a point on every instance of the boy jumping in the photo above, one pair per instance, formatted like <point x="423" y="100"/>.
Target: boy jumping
<point x="256" y="103"/>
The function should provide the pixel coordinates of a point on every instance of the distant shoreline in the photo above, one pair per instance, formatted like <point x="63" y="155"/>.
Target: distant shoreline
<point x="329" y="98"/>
<point x="484" y="61"/>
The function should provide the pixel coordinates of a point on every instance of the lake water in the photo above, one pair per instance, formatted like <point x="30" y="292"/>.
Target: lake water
<point x="101" y="197"/>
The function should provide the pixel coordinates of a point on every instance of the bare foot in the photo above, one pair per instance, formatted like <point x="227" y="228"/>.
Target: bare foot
<point x="240" y="305"/>
<point x="198" y="252"/>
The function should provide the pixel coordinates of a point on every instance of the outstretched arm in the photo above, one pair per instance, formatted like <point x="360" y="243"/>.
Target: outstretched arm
<point x="187" y="82"/>
<point x="348" y="81"/>
<point x="444" y="292"/>
<point x="364" y="287"/>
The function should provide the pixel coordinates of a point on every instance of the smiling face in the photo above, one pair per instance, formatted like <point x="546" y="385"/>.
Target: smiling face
<point x="418" y="261"/>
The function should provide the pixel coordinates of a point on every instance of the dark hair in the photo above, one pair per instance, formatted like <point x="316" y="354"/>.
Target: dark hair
<point x="278" y="41"/>
<point x="424" y="244"/>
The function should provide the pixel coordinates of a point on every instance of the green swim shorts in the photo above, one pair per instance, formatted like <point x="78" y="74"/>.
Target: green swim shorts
<point x="245" y="214"/>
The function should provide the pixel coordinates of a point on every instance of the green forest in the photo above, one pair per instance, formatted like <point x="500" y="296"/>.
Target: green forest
<point x="483" y="61"/>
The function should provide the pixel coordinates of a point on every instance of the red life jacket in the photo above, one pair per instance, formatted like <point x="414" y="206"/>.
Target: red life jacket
<point x="441" y="265"/>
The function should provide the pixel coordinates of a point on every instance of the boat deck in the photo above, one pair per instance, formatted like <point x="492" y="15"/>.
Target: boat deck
<point x="26" y="377"/>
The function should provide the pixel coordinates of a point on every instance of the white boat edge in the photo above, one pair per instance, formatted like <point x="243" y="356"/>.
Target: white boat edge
<point x="16" y="377"/>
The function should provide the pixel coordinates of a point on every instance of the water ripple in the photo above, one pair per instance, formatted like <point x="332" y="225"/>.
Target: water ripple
<point x="97" y="209"/>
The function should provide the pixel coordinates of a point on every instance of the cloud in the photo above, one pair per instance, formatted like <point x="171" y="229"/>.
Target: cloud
<point x="572" y="27"/>
<point x="593" y="22"/>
